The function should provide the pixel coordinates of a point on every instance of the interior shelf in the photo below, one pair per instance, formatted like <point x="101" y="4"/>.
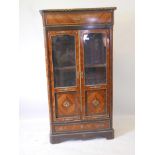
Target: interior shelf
<point x="65" y="68"/>
<point x="95" y="65"/>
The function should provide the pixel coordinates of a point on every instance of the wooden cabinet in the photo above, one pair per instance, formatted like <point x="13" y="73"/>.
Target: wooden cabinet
<point x="79" y="72"/>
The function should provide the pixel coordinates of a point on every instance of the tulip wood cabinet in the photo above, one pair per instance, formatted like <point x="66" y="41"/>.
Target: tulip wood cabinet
<point x="79" y="72"/>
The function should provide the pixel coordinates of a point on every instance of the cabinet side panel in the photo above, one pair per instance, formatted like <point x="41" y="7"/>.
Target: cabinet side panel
<point x="48" y="75"/>
<point x="111" y="75"/>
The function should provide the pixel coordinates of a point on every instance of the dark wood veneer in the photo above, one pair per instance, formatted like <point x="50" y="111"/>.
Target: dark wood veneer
<point x="80" y="111"/>
<point x="85" y="135"/>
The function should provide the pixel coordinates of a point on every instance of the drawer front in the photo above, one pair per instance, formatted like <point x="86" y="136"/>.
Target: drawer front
<point x="77" y="18"/>
<point x="82" y="126"/>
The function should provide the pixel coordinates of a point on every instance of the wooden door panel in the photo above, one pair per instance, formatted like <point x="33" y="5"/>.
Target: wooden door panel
<point x="95" y="68"/>
<point x="65" y="81"/>
<point x="67" y="105"/>
<point x="95" y="102"/>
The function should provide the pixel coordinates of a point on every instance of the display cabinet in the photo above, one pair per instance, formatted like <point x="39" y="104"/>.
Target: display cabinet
<point x="79" y="59"/>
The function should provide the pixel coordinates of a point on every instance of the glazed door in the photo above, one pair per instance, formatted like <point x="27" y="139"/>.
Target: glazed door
<point x="64" y="69"/>
<point x="95" y="70"/>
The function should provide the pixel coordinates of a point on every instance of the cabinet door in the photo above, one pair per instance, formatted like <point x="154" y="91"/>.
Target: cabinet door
<point x="64" y="69"/>
<point x="95" y="70"/>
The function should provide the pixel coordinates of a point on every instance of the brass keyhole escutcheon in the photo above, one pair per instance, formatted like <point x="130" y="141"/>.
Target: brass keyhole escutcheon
<point x="96" y="102"/>
<point x="66" y="104"/>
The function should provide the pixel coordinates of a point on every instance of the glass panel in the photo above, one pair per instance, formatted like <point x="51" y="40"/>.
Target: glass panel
<point x="63" y="53"/>
<point x="63" y="78"/>
<point x="94" y="58"/>
<point x="95" y="75"/>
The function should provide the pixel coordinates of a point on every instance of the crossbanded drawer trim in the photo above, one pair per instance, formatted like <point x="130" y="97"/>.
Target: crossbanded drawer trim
<point x="78" y="18"/>
<point x="101" y="125"/>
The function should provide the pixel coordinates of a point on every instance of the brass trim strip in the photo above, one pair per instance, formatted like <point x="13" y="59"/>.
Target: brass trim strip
<point x="80" y="75"/>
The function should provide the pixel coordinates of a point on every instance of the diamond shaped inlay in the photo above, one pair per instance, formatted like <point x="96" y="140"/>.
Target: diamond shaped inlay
<point x="95" y="102"/>
<point x="66" y="104"/>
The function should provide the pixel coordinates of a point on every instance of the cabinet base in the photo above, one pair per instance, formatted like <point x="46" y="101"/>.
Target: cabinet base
<point x="58" y="138"/>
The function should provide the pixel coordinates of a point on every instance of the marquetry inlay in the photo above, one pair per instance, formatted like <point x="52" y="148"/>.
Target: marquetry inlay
<point x="66" y="104"/>
<point x="95" y="102"/>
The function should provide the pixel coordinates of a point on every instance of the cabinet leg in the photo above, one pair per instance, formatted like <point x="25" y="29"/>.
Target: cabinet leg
<point x="110" y="135"/>
<point x="55" y="139"/>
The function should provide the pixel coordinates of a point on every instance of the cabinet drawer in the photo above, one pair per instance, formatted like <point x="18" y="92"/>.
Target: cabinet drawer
<point x="82" y="126"/>
<point x="77" y="18"/>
